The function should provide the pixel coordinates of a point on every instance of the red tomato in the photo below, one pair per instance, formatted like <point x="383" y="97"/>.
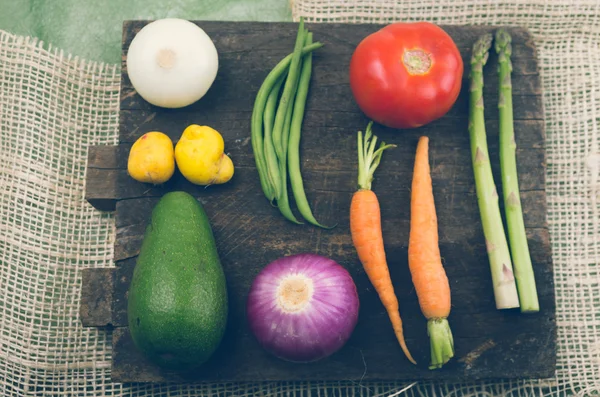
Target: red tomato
<point x="406" y="74"/>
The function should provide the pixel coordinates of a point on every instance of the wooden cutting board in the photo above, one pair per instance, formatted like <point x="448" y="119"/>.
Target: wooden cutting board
<point x="250" y="233"/>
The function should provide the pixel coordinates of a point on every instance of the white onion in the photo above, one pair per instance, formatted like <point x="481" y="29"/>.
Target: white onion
<point x="303" y="307"/>
<point x="172" y="62"/>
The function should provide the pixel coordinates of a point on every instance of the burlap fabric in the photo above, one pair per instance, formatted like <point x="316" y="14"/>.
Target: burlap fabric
<point x="52" y="106"/>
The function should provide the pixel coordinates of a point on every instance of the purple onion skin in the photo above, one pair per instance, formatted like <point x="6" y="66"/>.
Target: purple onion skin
<point x="317" y="330"/>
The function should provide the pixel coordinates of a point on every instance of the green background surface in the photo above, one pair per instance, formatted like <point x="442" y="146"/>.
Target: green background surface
<point x="92" y="29"/>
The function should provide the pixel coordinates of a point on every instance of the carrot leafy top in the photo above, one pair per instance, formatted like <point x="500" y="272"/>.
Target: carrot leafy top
<point x="368" y="157"/>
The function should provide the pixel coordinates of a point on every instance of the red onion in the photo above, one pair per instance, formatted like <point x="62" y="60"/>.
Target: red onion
<point x="303" y="307"/>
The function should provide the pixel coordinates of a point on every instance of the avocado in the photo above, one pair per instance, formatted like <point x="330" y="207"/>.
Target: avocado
<point x="177" y="301"/>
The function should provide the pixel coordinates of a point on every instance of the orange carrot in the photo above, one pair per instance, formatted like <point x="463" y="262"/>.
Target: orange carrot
<point x="365" y="228"/>
<point x="424" y="260"/>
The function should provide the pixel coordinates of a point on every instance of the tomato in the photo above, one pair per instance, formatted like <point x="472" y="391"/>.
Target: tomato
<point x="406" y="74"/>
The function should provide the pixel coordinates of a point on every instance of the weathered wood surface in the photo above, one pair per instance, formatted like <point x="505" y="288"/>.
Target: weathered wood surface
<point x="250" y="233"/>
<point x="97" y="297"/>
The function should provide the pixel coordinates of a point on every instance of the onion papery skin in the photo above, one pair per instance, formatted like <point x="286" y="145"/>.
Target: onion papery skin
<point x="303" y="308"/>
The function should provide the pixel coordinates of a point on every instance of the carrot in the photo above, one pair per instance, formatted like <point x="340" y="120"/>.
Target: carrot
<point x="424" y="260"/>
<point x="365" y="228"/>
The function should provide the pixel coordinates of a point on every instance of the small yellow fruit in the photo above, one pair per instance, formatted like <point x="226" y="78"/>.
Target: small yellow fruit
<point x="200" y="156"/>
<point x="151" y="158"/>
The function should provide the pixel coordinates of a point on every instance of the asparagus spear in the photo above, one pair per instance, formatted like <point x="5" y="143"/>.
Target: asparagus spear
<point x="505" y="291"/>
<point x="510" y="185"/>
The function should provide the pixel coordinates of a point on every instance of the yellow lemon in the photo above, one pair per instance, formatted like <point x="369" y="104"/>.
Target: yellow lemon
<point x="201" y="158"/>
<point x="151" y="158"/>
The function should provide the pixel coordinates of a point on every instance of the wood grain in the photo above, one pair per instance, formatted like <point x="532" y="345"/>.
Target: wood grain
<point x="250" y="233"/>
<point x="97" y="297"/>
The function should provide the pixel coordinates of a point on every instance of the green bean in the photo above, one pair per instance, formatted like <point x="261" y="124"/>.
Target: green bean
<point x="269" y="189"/>
<point x="259" y="157"/>
<point x="283" y="200"/>
<point x="271" y="106"/>
<point x="283" y="137"/>
<point x="294" y="141"/>
<point x="288" y="92"/>
<point x="269" y="117"/>
<point x="270" y="155"/>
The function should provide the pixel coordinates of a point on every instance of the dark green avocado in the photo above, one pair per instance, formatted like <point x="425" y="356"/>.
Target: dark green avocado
<point x="177" y="301"/>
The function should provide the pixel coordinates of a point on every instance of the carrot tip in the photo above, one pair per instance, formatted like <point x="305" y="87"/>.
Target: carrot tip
<point x="410" y="358"/>
<point x="397" y="325"/>
<point x="405" y="350"/>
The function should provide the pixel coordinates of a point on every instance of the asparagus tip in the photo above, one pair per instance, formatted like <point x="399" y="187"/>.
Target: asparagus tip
<point x="503" y="42"/>
<point x="481" y="49"/>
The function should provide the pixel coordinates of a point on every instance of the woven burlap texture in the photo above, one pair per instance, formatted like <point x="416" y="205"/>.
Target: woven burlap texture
<point x="53" y="106"/>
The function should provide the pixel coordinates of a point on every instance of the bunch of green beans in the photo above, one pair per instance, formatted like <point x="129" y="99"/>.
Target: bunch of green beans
<point x="277" y="125"/>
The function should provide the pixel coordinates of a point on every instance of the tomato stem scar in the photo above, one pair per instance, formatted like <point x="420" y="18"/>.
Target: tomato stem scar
<point x="416" y="61"/>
